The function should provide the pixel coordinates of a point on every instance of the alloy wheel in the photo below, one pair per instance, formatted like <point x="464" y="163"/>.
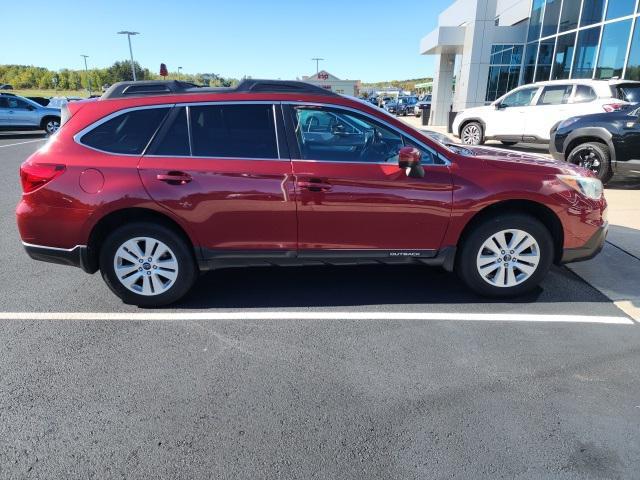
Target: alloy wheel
<point x="52" y="126"/>
<point x="145" y="266"/>
<point x="508" y="258"/>
<point x="589" y="159"/>
<point x="471" y="135"/>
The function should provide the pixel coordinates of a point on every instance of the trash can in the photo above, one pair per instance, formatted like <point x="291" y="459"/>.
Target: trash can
<point x="426" y="113"/>
<point x="452" y="117"/>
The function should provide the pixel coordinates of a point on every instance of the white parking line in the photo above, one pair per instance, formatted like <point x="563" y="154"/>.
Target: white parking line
<point x="22" y="143"/>
<point x="310" y="315"/>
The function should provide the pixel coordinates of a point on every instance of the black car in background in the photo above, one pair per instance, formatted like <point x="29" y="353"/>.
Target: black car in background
<point x="605" y="143"/>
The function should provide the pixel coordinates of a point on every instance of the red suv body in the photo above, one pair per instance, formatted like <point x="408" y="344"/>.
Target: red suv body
<point x="157" y="181"/>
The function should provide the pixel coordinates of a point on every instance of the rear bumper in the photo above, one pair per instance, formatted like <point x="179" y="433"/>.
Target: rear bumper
<point x="75" y="257"/>
<point x="589" y="249"/>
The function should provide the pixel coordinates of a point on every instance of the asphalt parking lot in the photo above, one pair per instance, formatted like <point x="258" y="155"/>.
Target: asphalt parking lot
<point x="357" y="372"/>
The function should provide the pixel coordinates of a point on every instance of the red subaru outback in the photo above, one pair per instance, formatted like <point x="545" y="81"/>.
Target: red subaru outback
<point x="158" y="181"/>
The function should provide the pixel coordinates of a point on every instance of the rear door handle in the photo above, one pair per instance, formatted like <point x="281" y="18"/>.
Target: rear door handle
<point x="174" y="178"/>
<point x="315" y="185"/>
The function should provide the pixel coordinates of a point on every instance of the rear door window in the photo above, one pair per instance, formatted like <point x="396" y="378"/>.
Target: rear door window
<point x="175" y="138"/>
<point x="584" y="94"/>
<point x="233" y="131"/>
<point x="128" y="133"/>
<point x="555" y="95"/>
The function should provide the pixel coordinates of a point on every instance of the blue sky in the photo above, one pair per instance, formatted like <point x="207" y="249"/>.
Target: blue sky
<point x="368" y="40"/>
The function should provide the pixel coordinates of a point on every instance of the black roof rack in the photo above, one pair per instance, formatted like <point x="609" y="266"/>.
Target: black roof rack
<point x="164" y="87"/>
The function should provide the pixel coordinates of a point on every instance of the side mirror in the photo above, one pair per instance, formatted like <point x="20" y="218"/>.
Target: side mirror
<point x="31" y="107"/>
<point x="409" y="157"/>
<point x="409" y="160"/>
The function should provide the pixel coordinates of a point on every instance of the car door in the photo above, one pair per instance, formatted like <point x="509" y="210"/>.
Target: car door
<point x="22" y="113"/>
<point x="507" y="119"/>
<point x="552" y="106"/>
<point x="220" y="168"/>
<point x="352" y="196"/>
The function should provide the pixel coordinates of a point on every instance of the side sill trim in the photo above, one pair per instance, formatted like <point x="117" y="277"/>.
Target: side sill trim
<point x="215" y="259"/>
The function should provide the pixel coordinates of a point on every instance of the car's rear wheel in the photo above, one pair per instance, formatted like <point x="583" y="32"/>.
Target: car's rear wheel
<point x="506" y="255"/>
<point x="593" y="156"/>
<point x="147" y="264"/>
<point x="472" y="134"/>
<point x="51" y="125"/>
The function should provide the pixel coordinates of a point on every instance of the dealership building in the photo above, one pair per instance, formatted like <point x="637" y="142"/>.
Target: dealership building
<point x="492" y="46"/>
<point x="328" y="81"/>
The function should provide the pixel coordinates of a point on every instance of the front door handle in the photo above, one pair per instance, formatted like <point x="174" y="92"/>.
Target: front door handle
<point x="174" y="178"/>
<point x="315" y="185"/>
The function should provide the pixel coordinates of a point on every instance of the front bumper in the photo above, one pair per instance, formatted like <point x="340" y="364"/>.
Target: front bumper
<point x="588" y="250"/>
<point x="77" y="256"/>
<point x="553" y="149"/>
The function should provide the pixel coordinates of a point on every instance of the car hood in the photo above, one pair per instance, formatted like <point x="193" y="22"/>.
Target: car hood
<point x="469" y="112"/>
<point x="505" y="159"/>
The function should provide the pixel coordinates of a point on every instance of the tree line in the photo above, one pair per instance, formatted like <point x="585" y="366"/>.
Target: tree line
<point x="25" y="76"/>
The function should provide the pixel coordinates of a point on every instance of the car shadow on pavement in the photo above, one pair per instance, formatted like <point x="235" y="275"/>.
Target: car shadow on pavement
<point x="326" y="286"/>
<point x="619" y="183"/>
<point x="21" y="135"/>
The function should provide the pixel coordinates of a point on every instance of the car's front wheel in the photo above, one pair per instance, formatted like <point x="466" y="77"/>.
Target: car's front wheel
<point x="147" y="264"/>
<point x="51" y="125"/>
<point x="472" y="134"/>
<point x="506" y="255"/>
<point x="593" y="156"/>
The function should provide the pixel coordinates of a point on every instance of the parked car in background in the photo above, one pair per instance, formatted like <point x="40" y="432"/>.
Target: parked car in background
<point x="20" y="113"/>
<point x="5" y="86"/>
<point x="392" y="106"/>
<point x="40" y="100"/>
<point x="152" y="188"/>
<point x="406" y="104"/>
<point x="59" y="102"/>
<point x="420" y="106"/>
<point x="528" y="113"/>
<point x="605" y="143"/>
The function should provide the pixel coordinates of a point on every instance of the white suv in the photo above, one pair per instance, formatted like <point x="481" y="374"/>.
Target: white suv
<point x="528" y="113"/>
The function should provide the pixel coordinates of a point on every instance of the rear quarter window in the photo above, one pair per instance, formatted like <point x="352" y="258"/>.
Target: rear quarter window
<point x="128" y="133"/>
<point x="629" y="92"/>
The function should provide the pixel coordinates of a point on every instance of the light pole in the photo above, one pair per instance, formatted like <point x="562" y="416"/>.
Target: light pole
<point x="86" y="70"/>
<point x="128" y="34"/>
<point x="179" y="68"/>
<point x="318" y="60"/>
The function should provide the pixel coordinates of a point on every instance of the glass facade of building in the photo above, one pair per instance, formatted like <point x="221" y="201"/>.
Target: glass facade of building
<point x="504" y="72"/>
<point x="581" y="39"/>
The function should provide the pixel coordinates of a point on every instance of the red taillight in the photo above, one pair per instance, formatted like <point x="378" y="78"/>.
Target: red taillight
<point x="613" y="107"/>
<point x="35" y="175"/>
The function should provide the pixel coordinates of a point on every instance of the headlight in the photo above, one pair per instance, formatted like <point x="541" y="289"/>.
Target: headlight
<point x="587" y="186"/>
<point x="568" y="122"/>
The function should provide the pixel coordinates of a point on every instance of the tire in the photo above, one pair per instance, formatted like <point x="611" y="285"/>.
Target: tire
<point x="474" y="265"/>
<point x="593" y="156"/>
<point x="472" y="134"/>
<point x="152" y="289"/>
<point x="50" y="124"/>
<point x="509" y="144"/>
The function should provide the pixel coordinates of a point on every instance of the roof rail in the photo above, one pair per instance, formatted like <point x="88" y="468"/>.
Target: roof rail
<point x="164" y="87"/>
